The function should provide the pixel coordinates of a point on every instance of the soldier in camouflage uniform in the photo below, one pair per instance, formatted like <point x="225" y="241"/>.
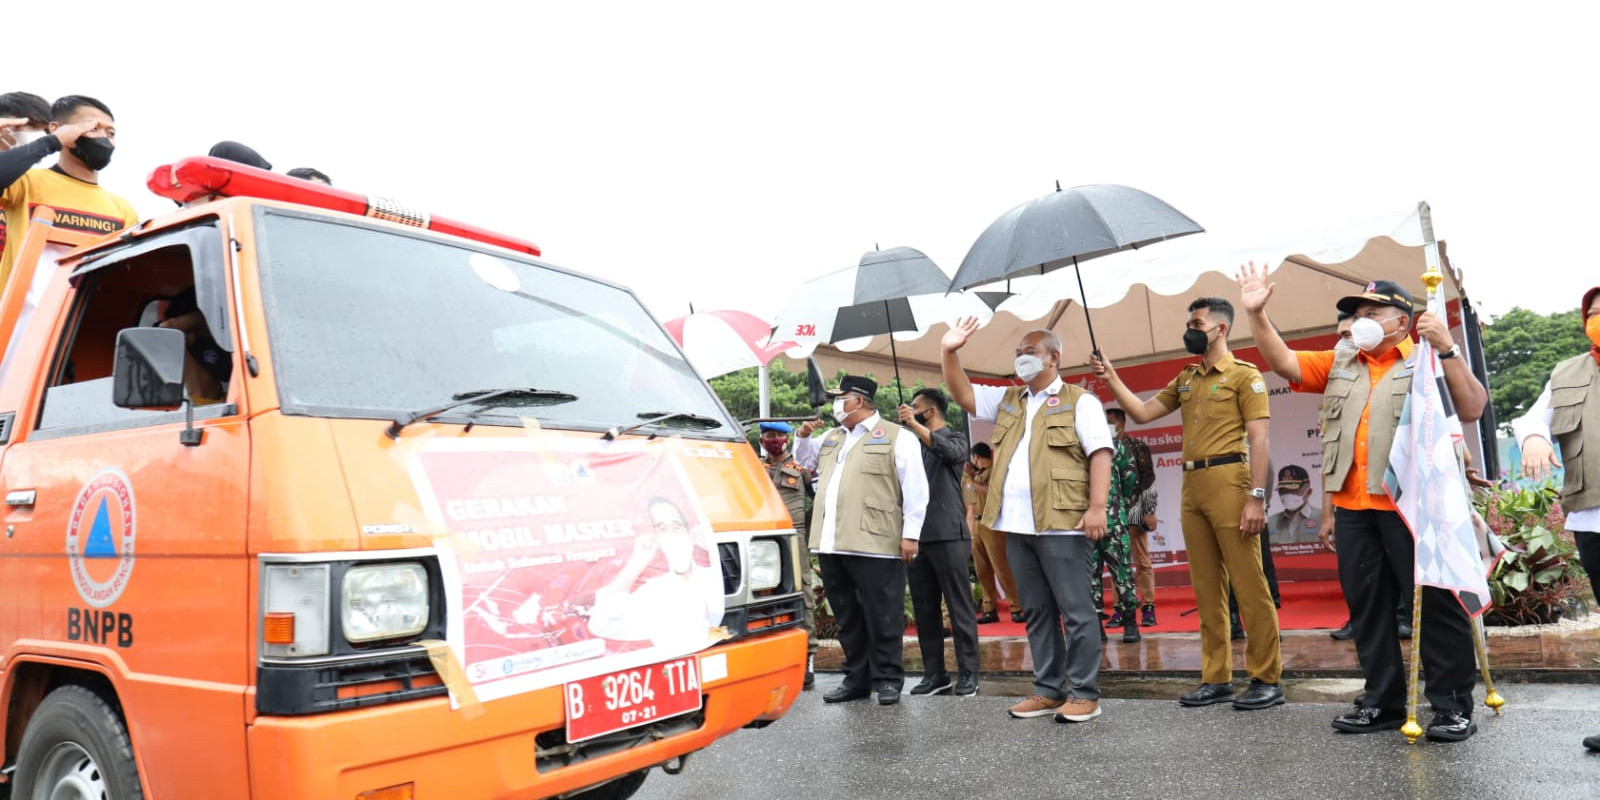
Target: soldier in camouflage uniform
<point x="794" y="484"/>
<point x="1113" y="551"/>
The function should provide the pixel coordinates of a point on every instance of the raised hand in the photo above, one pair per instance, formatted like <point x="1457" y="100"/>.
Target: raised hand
<point x="1101" y="367"/>
<point x="1254" y="290"/>
<point x="956" y="338"/>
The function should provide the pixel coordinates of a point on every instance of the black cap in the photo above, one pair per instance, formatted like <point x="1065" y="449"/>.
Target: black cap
<point x="1386" y="293"/>
<point x="866" y="387"/>
<point x="242" y="154"/>
<point x="1292" y="477"/>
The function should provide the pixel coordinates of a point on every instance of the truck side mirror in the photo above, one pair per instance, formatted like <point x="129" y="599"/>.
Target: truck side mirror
<point x="149" y="368"/>
<point x="816" y="389"/>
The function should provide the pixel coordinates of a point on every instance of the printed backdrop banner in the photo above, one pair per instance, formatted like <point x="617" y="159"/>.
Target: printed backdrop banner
<point x="568" y="558"/>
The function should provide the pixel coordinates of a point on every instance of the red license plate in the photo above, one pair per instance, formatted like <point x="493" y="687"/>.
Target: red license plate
<point x="632" y="697"/>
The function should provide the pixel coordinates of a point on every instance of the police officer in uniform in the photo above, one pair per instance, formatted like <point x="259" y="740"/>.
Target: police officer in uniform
<point x="1299" y="521"/>
<point x="1363" y="395"/>
<point x="872" y="494"/>
<point x="1224" y="406"/>
<point x="794" y="485"/>
<point x="1568" y="410"/>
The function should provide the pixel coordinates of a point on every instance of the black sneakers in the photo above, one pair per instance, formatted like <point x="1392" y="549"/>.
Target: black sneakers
<point x="966" y="683"/>
<point x="932" y="683"/>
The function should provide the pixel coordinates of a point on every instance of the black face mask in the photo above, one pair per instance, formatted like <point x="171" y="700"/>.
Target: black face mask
<point x="923" y="418"/>
<point x="1195" y="341"/>
<point x="95" y="153"/>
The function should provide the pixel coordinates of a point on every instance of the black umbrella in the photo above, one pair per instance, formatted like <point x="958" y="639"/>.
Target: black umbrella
<point x="1065" y="227"/>
<point x="898" y="289"/>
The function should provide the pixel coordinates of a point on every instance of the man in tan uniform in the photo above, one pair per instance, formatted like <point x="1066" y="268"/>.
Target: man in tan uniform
<point x="1225" y="471"/>
<point x="988" y="544"/>
<point x="793" y="482"/>
<point x="872" y="494"/>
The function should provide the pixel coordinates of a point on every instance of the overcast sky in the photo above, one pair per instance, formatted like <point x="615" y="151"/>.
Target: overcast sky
<point x="722" y="153"/>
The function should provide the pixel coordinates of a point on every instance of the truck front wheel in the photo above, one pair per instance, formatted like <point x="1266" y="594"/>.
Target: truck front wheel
<point x="76" y="746"/>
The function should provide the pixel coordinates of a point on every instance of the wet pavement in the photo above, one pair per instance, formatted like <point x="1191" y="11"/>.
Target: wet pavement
<point x="969" y="749"/>
<point x="1567" y="653"/>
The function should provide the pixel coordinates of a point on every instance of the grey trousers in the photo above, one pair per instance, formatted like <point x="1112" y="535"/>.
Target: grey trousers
<point x="1050" y="573"/>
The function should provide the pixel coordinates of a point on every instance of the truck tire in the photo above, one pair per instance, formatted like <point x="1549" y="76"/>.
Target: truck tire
<point x="619" y="789"/>
<point x="76" y="746"/>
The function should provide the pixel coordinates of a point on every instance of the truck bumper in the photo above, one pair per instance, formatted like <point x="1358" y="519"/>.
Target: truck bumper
<point x="490" y="751"/>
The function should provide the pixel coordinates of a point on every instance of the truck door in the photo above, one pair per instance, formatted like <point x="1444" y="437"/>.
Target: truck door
<point x="132" y="555"/>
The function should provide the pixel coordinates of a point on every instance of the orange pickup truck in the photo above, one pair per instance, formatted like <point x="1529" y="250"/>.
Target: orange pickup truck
<point x="311" y="496"/>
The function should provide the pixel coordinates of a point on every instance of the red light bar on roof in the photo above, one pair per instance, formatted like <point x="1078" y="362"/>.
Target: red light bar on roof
<point x="202" y="176"/>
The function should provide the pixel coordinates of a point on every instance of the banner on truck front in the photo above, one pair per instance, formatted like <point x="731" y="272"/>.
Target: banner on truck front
<point x="568" y="558"/>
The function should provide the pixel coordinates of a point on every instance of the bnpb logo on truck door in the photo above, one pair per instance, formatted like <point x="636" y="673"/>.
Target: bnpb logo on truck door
<point x="100" y="537"/>
<point x="100" y="550"/>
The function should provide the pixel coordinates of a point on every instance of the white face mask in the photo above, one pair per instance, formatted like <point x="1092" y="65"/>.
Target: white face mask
<point x="1292" y="502"/>
<point x="838" y="410"/>
<point x="1366" y="333"/>
<point x="24" y="137"/>
<point x="1029" y="367"/>
<point x="679" y="550"/>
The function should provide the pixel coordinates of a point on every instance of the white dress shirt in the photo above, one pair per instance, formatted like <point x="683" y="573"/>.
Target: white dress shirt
<point x="1016" y="495"/>
<point x="1537" y="423"/>
<point x="907" y="464"/>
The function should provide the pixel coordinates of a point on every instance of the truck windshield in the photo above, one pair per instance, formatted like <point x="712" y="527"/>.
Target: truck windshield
<point x="377" y="323"/>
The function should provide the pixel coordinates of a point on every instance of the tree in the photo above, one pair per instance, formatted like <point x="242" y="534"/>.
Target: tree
<point x="1520" y="349"/>
<point x="740" y="392"/>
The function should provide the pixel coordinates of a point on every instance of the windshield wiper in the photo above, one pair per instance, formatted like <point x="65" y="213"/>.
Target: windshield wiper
<point x="479" y="397"/>
<point x="658" y="417"/>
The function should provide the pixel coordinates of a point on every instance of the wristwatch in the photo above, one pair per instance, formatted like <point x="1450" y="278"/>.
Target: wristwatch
<point x="1258" y="493"/>
<point x="1455" y="350"/>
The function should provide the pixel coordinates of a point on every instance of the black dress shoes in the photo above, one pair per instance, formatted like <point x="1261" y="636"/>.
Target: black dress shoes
<point x="966" y="683"/>
<point x="1593" y="743"/>
<point x="1259" y="695"/>
<point x="888" y="694"/>
<point x="987" y="617"/>
<point x="845" y="694"/>
<point x="1207" y="694"/>
<point x="1451" y="726"/>
<point x="1344" y="632"/>
<point x="1367" y="719"/>
<point x="1018" y="616"/>
<point x="1405" y="630"/>
<point x="933" y="683"/>
<point x="1130" y="632"/>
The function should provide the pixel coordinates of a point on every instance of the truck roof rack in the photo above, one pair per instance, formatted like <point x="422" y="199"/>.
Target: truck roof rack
<point x="202" y="176"/>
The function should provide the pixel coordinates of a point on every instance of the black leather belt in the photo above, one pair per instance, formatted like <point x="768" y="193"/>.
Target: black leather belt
<point x="1215" y="461"/>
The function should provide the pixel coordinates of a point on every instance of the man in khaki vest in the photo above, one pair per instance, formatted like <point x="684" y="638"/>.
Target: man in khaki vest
<point x="1569" y="410"/>
<point x="872" y="494"/>
<point x="1363" y="394"/>
<point x="1223" y="403"/>
<point x="793" y="483"/>
<point x="1048" y="493"/>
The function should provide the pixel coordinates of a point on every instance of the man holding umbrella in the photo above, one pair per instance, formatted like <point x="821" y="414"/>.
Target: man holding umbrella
<point x="872" y="494"/>
<point x="1225" y="471"/>
<point x="1052" y="475"/>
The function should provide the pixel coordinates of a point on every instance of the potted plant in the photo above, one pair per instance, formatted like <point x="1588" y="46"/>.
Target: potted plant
<point x="1539" y="577"/>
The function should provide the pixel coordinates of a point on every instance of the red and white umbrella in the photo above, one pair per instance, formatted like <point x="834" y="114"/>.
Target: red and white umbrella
<point x="720" y="342"/>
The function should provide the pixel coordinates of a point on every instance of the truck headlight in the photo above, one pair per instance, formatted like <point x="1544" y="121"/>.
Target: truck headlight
<point x="766" y="565"/>
<point x="384" y="601"/>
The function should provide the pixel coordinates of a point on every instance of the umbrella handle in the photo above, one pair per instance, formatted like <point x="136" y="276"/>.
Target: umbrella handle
<point x="1094" y="348"/>
<point x="894" y="357"/>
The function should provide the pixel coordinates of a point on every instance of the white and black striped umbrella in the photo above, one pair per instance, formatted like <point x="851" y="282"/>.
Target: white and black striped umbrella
<point x="894" y="291"/>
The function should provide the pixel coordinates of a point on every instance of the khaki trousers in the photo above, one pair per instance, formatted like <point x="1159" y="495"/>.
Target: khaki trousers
<point x="1144" y="574"/>
<point x="1213" y="499"/>
<point x="989" y="556"/>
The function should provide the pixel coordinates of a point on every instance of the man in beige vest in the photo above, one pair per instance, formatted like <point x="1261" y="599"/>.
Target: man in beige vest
<point x="872" y="494"/>
<point x="1048" y="493"/>
<point x="1568" y="410"/>
<point x="1363" y="394"/>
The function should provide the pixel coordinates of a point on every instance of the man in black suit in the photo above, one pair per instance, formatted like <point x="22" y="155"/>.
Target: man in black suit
<point x="944" y="548"/>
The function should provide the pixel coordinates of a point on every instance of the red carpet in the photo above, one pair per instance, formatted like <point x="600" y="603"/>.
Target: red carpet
<point x="1307" y="605"/>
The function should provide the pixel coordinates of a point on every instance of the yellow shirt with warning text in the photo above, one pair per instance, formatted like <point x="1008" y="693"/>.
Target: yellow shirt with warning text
<point x="79" y="206"/>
